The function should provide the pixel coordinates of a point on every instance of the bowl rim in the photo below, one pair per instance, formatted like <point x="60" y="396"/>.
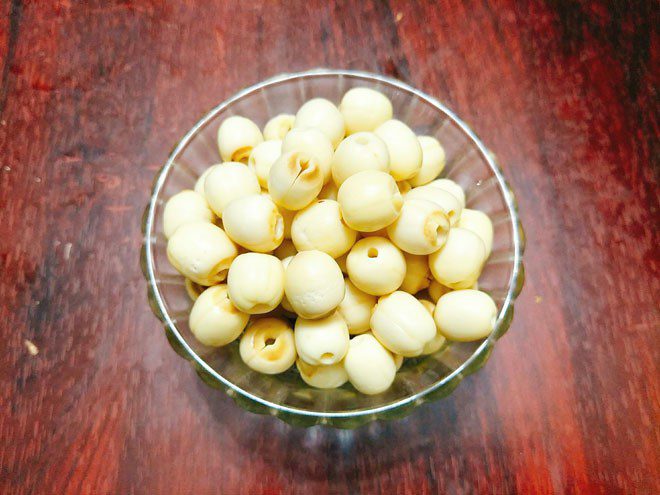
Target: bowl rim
<point x="464" y="368"/>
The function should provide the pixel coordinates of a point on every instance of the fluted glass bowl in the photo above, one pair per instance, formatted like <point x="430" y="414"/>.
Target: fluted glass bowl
<point x="286" y="396"/>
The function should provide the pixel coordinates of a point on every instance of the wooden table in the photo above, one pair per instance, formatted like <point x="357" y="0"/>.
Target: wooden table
<point x="93" y="95"/>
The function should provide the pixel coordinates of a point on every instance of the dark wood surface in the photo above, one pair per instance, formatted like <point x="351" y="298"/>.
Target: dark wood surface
<point x="94" y="94"/>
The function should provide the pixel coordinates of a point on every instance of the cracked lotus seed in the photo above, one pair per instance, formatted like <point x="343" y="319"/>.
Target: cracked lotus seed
<point x="294" y="180"/>
<point x="314" y="143"/>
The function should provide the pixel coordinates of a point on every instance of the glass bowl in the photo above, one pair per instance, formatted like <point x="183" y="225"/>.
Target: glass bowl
<point x="286" y="396"/>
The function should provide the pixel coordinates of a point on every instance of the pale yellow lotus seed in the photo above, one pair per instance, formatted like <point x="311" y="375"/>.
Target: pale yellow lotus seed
<point x="403" y="147"/>
<point x="267" y="346"/>
<point x="323" y="115"/>
<point x="402" y="324"/>
<point x="236" y="138"/>
<point x="320" y="226"/>
<point x="330" y="376"/>
<point x="364" y="109"/>
<point x="465" y="315"/>
<point x="433" y="161"/>
<point x="262" y="158"/>
<point x="185" y="207"/>
<point x="279" y="126"/>
<point x="314" y="143"/>
<point x="356" y="308"/>
<point x="255" y="223"/>
<point x="359" y="152"/>
<point x="376" y="266"/>
<point x="256" y="283"/>
<point x="458" y="263"/>
<point x="295" y="180"/>
<point x="201" y="252"/>
<point x="451" y="187"/>
<point x="370" y="367"/>
<point x="369" y="200"/>
<point x="479" y="223"/>
<point x="421" y="228"/>
<point x="314" y="284"/>
<point x="227" y="182"/>
<point x="321" y="341"/>
<point x="214" y="320"/>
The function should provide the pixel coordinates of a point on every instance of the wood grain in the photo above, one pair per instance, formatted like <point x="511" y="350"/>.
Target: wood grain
<point x="95" y="93"/>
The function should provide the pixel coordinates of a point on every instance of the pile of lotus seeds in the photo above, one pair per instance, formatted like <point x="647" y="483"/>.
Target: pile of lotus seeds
<point x="327" y="241"/>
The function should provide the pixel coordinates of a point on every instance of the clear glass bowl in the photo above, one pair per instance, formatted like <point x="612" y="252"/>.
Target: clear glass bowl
<point x="286" y="396"/>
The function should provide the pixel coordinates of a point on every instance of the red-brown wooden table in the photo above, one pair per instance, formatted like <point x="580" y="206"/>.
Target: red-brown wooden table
<point x="94" y="94"/>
